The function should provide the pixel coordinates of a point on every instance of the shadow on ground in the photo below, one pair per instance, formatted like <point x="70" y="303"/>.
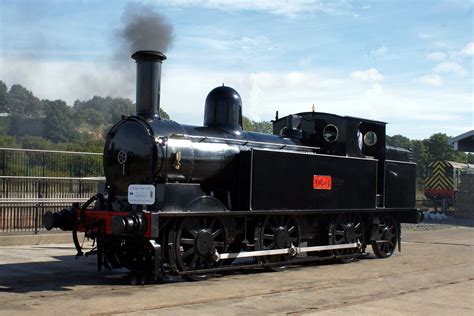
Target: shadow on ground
<point x="63" y="273"/>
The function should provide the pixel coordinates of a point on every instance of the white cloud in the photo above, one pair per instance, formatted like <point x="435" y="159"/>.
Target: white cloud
<point x="436" y="56"/>
<point x="371" y="74"/>
<point x="232" y="44"/>
<point x="431" y="79"/>
<point x="468" y="50"/>
<point x="68" y="80"/>
<point x="450" y="67"/>
<point x="279" y="7"/>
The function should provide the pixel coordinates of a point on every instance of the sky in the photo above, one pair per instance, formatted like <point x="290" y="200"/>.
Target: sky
<point x="407" y="63"/>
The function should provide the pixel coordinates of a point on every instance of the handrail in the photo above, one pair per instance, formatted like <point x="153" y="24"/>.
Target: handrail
<point x="242" y="142"/>
<point x="54" y="178"/>
<point x="42" y="200"/>
<point x="53" y="151"/>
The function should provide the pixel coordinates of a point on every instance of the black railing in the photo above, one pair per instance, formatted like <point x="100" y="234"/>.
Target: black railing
<point x="19" y="216"/>
<point x="23" y="201"/>
<point x="49" y="163"/>
<point x="35" y="181"/>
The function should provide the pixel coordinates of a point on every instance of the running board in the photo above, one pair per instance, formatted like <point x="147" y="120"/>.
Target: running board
<point x="293" y="251"/>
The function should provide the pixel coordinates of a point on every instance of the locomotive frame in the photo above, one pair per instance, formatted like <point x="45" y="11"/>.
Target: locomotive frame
<point x="196" y="200"/>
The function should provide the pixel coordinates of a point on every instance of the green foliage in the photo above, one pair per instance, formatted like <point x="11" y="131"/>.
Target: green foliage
<point x="398" y="141"/>
<point x="100" y="111"/>
<point x="60" y="126"/>
<point x="22" y="102"/>
<point x="163" y="114"/>
<point x="260" y="127"/>
<point x="420" y="155"/>
<point x="3" y="97"/>
<point x="8" y="141"/>
<point x="470" y="158"/>
<point x="46" y="124"/>
<point x="438" y="149"/>
<point x="36" y="142"/>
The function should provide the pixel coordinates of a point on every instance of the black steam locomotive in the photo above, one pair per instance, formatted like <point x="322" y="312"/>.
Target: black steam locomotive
<point x="195" y="200"/>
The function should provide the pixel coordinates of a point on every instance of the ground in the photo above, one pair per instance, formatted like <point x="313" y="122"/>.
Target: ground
<point x="434" y="274"/>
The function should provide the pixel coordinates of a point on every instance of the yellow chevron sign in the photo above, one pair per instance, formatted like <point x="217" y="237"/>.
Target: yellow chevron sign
<point x="439" y="179"/>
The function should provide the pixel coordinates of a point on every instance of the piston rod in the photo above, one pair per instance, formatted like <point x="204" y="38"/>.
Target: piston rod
<point x="284" y="251"/>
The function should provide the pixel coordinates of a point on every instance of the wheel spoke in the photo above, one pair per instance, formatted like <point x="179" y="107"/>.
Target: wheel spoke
<point x="339" y="233"/>
<point x="187" y="241"/>
<point x="291" y="229"/>
<point x="211" y="226"/>
<point x="273" y="228"/>
<point x="217" y="232"/>
<point x="270" y="246"/>
<point x="190" y="228"/>
<point x="193" y="262"/>
<point x="268" y="236"/>
<point x="187" y="253"/>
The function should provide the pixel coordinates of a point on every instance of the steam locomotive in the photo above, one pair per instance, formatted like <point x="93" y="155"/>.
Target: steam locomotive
<point x="196" y="200"/>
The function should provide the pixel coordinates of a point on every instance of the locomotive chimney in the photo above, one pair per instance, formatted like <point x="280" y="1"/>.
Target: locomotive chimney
<point x="148" y="82"/>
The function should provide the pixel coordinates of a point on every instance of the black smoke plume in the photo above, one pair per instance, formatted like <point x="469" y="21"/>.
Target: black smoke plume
<point x="144" y="29"/>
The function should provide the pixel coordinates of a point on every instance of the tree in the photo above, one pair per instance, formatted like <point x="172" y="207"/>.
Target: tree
<point x="399" y="141"/>
<point x="36" y="142"/>
<point x="8" y="141"/>
<point x="163" y="114"/>
<point x="60" y="125"/>
<point x="22" y="102"/>
<point x="3" y="97"/>
<point x="438" y="149"/>
<point x="420" y="155"/>
<point x="260" y="127"/>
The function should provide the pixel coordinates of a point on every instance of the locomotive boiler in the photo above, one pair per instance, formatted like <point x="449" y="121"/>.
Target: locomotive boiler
<point x="193" y="200"/>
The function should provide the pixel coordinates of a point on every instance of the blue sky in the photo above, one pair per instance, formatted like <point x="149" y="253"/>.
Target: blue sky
<point x="409" y="63"/>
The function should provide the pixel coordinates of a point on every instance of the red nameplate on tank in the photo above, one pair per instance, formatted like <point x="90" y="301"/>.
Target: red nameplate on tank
<point x="322" y="182"/>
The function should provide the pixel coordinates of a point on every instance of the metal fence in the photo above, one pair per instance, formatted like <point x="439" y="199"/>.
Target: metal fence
<point x="35" y="181"/>
<point x="49" y="163"/>
<point x="23" y="201"/>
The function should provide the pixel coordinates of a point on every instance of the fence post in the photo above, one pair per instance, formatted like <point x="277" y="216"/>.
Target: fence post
<point x="37" y="206"/>
<point x="44" y="167"/>
<point x="36" y="217"/>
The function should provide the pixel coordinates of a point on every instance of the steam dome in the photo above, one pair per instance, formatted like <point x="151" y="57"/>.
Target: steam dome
<point x="223" y="109"/>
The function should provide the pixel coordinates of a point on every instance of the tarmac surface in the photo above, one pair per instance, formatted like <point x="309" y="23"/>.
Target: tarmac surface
<point x="434" y="274"/>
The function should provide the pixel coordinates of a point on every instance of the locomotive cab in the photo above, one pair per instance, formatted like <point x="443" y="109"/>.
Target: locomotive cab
<point x="334" y="134"/>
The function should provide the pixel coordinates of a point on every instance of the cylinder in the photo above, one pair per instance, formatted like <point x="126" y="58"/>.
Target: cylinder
<point x="148" y="83"/>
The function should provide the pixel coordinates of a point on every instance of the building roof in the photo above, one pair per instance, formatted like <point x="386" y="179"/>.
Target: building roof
<point x="463" y="142"/>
